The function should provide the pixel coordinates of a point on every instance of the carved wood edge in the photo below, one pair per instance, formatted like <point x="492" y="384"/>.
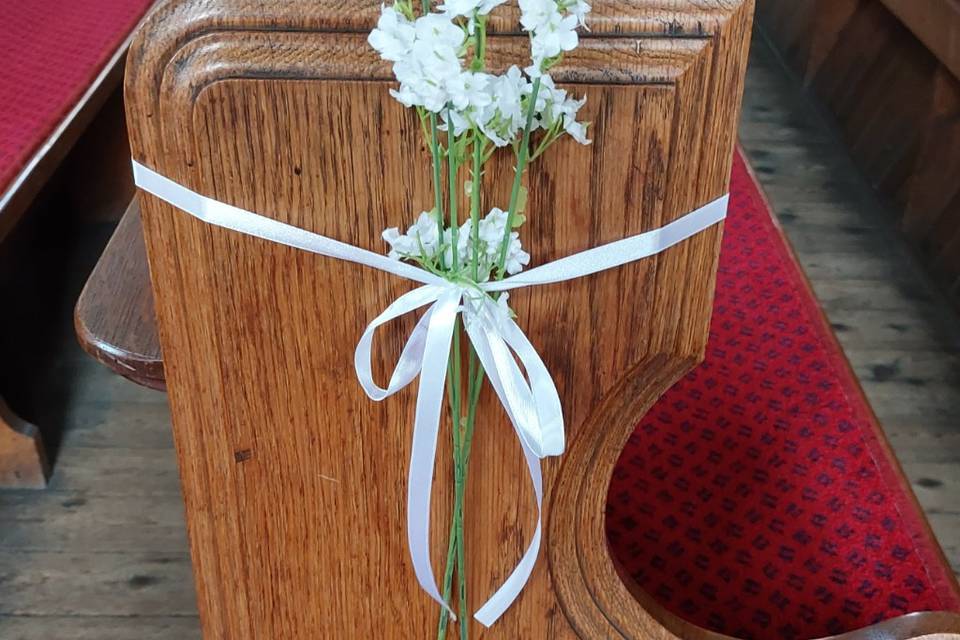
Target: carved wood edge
<point x="23" y="461"/>
<point x="114" y="317"/>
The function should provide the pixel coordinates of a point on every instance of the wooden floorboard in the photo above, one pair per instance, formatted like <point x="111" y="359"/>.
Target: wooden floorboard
<point x="102" y="555"/>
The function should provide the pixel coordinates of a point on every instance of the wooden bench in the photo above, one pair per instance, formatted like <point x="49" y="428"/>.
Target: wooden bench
<point x="255" y="427"/>
<point x="115" y="324"/>
<point x="69" y="60"/>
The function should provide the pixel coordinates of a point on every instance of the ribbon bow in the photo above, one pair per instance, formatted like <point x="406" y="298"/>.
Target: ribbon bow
<point x="530" y="400"/>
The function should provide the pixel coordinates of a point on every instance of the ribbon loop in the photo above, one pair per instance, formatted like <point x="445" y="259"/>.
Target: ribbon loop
<point x="529" y="396"/>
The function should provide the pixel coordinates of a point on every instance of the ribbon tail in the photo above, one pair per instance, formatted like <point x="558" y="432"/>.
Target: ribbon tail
<point x="508" y="592"/>
<point x="425" y="431"/>
<point x="546" y="398"/>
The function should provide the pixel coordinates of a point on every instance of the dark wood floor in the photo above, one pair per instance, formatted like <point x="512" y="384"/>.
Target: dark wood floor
<point x="102" y="554"/>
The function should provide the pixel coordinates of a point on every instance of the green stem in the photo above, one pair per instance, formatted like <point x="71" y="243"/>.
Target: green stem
<point x="437" y="177"/>
<point x="475" y="184"/>
<point x="452" y="162"/>
<point x="456" y="526"/>
<point x="522" y="156"/>
<point x="448" y="577"/>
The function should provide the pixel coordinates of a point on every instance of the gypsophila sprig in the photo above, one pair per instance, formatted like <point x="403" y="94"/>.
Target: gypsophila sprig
<point x="468" y="114"/>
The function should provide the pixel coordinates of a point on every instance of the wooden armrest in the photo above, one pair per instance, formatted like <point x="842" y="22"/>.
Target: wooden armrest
<point x="936" y="23"/>
<point x="114" y="317"/>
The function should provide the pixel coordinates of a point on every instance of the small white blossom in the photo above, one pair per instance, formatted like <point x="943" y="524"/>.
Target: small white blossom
<point x="517" y="258"/>
<point x="503" y="117"/>
<point x="469" y="8"/>
<point x="535" y="14"/>
<point x="554" y="38"/>
<point x="420" y="242"/>
<point x="470" y="90"/>
<point x="394" y="36"/>
<point x="423" y="234"/>
<point x="580" y="9"/>
<point x="439" y="31"/>
<point x="577" y="131"/>
<point x="491" y="230"/>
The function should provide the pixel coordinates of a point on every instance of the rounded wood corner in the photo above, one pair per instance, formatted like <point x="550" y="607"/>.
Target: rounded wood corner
<point x="597" y="596"/>
<point x="23" y="461"/>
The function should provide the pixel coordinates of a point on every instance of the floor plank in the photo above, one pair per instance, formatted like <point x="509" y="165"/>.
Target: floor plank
<point x="99" y="628"/>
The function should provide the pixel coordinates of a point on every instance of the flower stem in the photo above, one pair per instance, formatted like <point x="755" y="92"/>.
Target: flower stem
<point x="452" y="166"/>
<point x="522" y="156"/>
<point x="437" y="177"/>
<point x="476" y="178"/>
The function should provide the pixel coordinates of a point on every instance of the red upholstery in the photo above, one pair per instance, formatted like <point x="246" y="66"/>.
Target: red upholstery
<point x="758" y="498"/>
<point x="51" y="52"/>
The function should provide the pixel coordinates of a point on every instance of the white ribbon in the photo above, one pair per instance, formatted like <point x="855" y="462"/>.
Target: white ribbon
<point x="530" y="399"/>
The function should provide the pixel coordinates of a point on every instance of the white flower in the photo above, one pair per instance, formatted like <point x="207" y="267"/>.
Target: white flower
<point x="553" y="38"/>
<point x="459" y="7"/>
<point x="503" y="117"/>
<point x="423" y="234"/>
<point x="580" y="10"/>
<point x="555" y="104"/>
<point x="469" y="90"/>
<point x="439" y="31"/>
<point x="486" y="6"/>
<point x="517" y="258"/>
<point x="421" y="242"/>
<point x="535" y="14"/>
<point x="469" y="8"/>
<point x="577" y="130"/>
<point x="463" y="246"/>
<point x="461" y="123"/>
<point x="400" y="245"/>
<point x="393" y="38"/>
<point x="491" y="230"/>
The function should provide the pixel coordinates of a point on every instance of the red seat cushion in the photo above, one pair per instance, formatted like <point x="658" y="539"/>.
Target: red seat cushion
<point x="52" y="50"/>
<point x="758" y="497"/>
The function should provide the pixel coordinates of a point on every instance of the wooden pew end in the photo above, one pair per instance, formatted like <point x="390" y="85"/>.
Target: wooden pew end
<point x="23" y="462"/>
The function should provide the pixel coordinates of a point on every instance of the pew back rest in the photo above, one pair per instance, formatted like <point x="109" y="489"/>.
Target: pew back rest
<point x="291" y="475"/>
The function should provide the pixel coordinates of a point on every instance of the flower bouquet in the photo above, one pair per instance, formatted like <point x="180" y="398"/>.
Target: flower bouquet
<point x="469" y="114"/>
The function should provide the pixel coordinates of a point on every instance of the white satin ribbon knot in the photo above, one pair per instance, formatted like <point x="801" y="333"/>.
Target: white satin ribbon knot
<point x="528" y="395"/>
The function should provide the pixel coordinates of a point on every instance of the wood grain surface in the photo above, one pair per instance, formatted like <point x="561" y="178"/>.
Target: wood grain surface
<point x="294" y="482"/>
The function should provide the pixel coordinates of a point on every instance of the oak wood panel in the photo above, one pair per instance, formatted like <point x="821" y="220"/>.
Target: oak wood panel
<point x="896" y="99"/>
<point x="257" y="360"/>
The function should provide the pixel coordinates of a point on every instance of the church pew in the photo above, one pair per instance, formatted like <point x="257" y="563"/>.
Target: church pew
<point x="63" y="59"/>
<point x="237" y="465"/>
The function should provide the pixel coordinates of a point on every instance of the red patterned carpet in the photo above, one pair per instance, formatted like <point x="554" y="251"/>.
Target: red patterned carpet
<point x="759" y="498"/>
<point x="51" y="52"/>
